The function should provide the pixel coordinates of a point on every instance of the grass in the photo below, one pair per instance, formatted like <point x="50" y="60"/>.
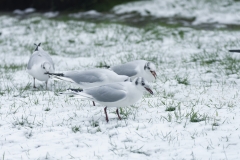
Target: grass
<point x="231" y="65"/>
<point x="195" y="81"/>
<point x="182" y="80"/>
<point x="196" y="117"/>
<point x="12" y="67"/>
<point x="76" y="129"/>
<point x="170" y="109"/>
<point x="206" y="58"/>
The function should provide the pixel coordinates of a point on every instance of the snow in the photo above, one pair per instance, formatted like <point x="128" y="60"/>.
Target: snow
<point x="84" y="14"/>
<point x="204" y="11"/>
<point x="22" y="12"/>
<point x="51" y="14"/>
<point x="196" y="76"/>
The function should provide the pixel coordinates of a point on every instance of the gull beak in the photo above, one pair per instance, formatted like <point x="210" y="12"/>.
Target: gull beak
<point x="149" y="90"/>
<point x="234" y="50"/>
<point x="154" y="74"/>
<point x="47" y="74"/>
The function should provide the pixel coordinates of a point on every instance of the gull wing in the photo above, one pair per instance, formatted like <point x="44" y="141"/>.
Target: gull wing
<point x="128" y="69"/>
<point x="107" y="93"/>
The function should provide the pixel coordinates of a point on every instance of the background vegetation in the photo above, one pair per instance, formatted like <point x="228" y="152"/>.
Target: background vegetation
<point x="60" y="5"/>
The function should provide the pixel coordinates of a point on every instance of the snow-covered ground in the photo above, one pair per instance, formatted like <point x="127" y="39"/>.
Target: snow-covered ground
<point x="202" y="11"/>
<point x="194" y="113"/>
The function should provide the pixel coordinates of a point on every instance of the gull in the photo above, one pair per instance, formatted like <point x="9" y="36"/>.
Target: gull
<point x="235" y="50"/>
<point x="89" y="78"/>
<point x="118" y="94"/>
<point x="40" y="63"/>
<point x="137" y="68"/>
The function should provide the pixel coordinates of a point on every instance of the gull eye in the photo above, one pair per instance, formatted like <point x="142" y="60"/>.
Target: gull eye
<point x="43" y="67"/>
<point x="143" y="83"/>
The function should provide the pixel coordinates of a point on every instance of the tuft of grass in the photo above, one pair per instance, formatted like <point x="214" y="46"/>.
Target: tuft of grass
<point x="76" y="129"/>
<point x="168" y="94"/>
<point x="94" y="123"/>
<point x="170" y="109"/>
<point x="182" y="80"/>
<point x="126" y="112"/>
<point x="230" y="64"/>
<point x="22" y="122"/>
<point x="205" y="58"/>
<point x="71" y="41"/>
<point x="102" y="65"/>
<point x="196" y="117"/>
<point x="47" y="109"/>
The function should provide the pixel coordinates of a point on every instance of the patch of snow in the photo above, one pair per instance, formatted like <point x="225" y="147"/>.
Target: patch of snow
<point x="18" y="12"/>
<point x="83" y="14"/>
<point x="51" y="14"/>
<point x="29" y="10"/>
<point x="22" y="12"/>
<point x="203" y="11"/>
<point x="40" y="124"/>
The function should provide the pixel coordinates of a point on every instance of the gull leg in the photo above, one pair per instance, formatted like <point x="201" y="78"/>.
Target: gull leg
<point x="118" y="114"/>
<point x="46" y="84"/>
<point x="34" y="83"/>
<point x="93" y="103"/>
<point x="105" y="111"/>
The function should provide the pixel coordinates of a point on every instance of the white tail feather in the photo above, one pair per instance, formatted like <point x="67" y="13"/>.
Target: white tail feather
<point x="80" y="95"/>
<point x="60" y="78"/>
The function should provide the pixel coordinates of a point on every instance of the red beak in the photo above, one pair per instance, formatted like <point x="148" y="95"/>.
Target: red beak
<point x="149" y="90"/>
<point x="154" y="74"/>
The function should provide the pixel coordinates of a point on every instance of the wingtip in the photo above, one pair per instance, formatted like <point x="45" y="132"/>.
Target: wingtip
<point x="74" y="90"/>
<point x="234" y="50"/>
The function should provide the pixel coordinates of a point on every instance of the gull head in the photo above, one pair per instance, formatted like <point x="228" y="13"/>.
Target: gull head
<point x="150" y="68"/>
<point x="47" y="67"/>
<point x="142" y="84"/>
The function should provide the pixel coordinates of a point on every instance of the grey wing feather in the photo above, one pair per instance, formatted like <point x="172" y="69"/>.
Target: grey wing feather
<point x="47" y="57"/>
<point x="125" y="69"/>
<point x="32" y="60"/>
<point x="107" y="93"/>
<point x="84" y="76"/>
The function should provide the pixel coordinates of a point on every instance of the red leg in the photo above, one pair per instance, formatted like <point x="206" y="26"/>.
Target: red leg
<point x="118" y="114"/>
<point x="93" y="103"/>
<point x="34" y="83"/>
<point x="105" y="111"/>
<point x="46" y="84"/>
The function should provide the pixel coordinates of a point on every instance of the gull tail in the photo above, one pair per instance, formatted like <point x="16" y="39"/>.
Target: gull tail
<point x="75" y="90"/>
<point x="77" y="93"/>
<point x="59" y="77"/>
<point x="234" y="50"/>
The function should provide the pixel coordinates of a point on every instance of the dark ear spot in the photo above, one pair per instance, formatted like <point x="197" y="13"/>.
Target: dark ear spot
<point x="136" y="82"/>
<point x="143" y="82"/>
<point x="147" y="66"/>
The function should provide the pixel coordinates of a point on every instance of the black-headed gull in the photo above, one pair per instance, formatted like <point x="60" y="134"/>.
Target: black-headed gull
<point x="119" y="94"/>
<point x="137" y="68"/>
<point x="40" y="63"/>
<point x="89" y="78"/>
